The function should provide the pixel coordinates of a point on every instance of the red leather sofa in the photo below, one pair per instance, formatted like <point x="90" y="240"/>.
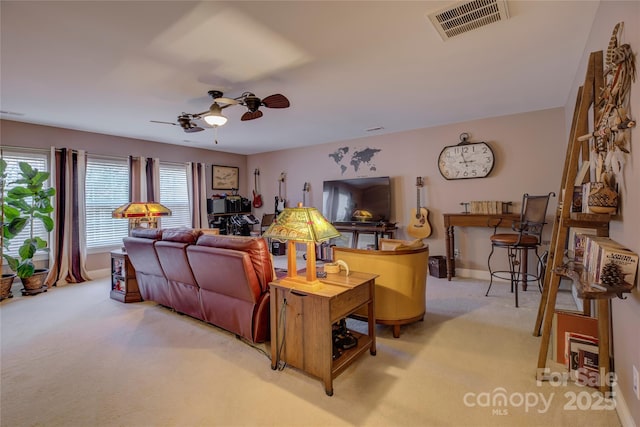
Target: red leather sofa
<point x="223" y="280"/>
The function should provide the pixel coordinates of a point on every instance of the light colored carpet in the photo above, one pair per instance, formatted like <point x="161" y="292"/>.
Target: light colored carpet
<point x="75" y="357"/>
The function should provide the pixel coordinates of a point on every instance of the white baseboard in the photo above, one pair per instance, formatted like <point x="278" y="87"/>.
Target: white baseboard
<point x="476" y="274"/>
<point x="622" y="409"/>
<point x="100" y="274"/>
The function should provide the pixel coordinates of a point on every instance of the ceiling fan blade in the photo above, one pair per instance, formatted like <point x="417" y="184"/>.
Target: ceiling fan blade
<point x="225" y="100"/>
<point x="250" y="115"/>
<point x="276" y="101"/>
<point x="164" y="123"/>
<point x="193" y="129"/>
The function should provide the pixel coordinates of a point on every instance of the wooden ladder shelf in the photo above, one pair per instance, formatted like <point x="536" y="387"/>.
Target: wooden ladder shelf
<point x="577" y="150"/>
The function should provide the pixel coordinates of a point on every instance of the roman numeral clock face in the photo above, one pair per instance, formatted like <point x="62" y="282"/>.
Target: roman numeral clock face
<point x="466" y="160"/>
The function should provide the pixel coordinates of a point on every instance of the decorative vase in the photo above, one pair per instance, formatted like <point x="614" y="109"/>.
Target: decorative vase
<point x="35" y="284"/>
<point x="602" y="199"/>
<point x="5" y="286"/>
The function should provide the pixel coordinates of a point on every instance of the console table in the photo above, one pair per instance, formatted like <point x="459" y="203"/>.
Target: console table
<point x="376" y="230"/>
<point x="472" y="220"/>
<point x="301" y="323"/>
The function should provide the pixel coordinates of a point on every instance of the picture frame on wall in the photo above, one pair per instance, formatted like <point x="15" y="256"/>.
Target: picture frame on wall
<point x="224" y="177"/>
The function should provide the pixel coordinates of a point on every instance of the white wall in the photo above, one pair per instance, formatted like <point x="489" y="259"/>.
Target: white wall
<point x="625" y="228"/>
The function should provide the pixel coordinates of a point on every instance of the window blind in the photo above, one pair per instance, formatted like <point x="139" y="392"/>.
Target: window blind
<point x="174" y="195"/>
<point x="107" y="187"/>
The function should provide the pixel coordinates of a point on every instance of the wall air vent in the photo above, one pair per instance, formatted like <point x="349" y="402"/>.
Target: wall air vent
<point x="467" y="16"/>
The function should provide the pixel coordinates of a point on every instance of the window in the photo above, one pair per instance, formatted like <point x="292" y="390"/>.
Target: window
<point x="107" y="187"/>
<point x="173" y="194"/>
<point x="37" y="161"/>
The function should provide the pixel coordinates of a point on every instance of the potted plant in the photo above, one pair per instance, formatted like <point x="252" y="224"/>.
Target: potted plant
<point x="6" y="280"/>
<point x="27" y="202"/>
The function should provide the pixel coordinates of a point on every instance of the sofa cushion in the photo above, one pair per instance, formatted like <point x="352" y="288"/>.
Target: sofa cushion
<point x="147" y="233"/>
<point x="256" y="247"/>
<point x="181" y="235"/>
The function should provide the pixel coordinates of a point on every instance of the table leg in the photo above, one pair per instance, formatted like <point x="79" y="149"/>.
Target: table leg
<point x="604" y="363"/>
<point x="274" y="329"/>
<point x="451" y="262"/>
<point x="525" y="268"/>
<point x="371" y="318"/>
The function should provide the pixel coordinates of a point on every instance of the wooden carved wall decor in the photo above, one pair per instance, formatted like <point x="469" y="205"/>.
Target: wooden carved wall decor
<point x="610" y="135"/>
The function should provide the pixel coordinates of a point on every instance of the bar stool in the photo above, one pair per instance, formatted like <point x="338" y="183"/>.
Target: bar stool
<point x="528" y="235"/>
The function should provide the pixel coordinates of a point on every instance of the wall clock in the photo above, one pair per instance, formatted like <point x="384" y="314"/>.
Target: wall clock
<point x="466" y="160"/>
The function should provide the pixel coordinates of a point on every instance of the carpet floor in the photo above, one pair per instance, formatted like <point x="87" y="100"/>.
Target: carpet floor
<point x="74" y="357"/>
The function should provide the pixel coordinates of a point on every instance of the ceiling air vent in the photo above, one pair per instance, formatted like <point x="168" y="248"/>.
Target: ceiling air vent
<point x="467" y="16"/>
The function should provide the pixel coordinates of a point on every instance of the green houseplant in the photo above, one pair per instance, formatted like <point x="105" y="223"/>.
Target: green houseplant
<point x="24" y="204"/>
<point x="6" y="280"/>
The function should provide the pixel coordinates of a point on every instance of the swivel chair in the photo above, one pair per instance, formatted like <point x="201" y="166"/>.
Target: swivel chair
<point x="527" y="235"/>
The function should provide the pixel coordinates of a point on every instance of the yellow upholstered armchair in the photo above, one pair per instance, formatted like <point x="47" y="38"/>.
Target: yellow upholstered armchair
<point x="401" y="284"/>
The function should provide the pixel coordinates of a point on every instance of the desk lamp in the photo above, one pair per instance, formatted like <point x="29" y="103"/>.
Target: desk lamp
<point x="305" y="225"/>
<point x="141" y="214"/>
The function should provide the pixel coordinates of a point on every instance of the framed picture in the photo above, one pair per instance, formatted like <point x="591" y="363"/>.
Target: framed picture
<point x="224" y="177"/>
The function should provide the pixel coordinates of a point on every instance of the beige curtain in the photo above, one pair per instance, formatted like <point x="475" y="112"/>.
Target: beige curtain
<point x="68" y="247"/>
<point x="196" y="188"/>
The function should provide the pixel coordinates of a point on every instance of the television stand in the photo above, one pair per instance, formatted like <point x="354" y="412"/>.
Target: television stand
<point x="380" y="229"/>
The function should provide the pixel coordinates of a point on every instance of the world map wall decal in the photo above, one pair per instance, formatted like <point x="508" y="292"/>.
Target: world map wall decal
<point x="359" y="160"/>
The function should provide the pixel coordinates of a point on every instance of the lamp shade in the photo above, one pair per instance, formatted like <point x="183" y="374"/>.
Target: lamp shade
<point x="141" y="210"/>
<point x="302" y="224"/>
<point x="215" y="116"/>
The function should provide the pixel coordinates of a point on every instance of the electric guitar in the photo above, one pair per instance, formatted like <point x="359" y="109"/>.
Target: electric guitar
<point x="419" y="226"/>
<point x="305" y="190"/>
<point x="257" y="198"/>
<point x="280" y="202"/>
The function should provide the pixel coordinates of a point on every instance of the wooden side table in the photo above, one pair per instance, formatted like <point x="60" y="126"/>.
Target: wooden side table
<point x="301" y="324"/>
<point x="124" y="285"/>
<point x="472" y="220"/>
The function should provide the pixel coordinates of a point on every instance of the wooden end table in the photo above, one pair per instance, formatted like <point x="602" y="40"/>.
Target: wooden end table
<point x="302" y="320"/>
<point x="124" y="285"/>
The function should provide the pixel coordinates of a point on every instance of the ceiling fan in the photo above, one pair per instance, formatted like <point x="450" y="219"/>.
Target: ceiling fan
<point x="214" y="117"/>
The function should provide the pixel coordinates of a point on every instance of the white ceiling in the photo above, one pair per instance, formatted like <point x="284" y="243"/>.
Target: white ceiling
<point x="111" y="67"/>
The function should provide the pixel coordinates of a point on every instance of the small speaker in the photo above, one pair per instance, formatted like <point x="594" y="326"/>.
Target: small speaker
<point x="245" y="205"/>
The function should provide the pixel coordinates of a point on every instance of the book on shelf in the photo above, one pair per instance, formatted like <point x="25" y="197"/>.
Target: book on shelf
<point x="625" y="260"/>
<point x="488" y="207"/>
<point x="576" y="343"/>
<point x="576" y="205"/>
<point x="577" y="241"/>
<point x="584" y="356"/>
<point x="570" y="322"/>
<point x="605" y="259"/>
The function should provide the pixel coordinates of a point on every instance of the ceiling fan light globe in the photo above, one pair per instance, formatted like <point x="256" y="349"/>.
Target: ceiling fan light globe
<point x="215" y="116"/>
<point x="215" y="120"/>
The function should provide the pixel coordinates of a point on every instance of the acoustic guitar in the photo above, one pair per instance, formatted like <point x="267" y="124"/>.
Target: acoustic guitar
<point x="257" y="198"/>
<point x="419" y="227"/>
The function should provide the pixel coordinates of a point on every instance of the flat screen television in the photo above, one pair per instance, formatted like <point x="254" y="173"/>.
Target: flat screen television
<point x="366" y="200"/>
